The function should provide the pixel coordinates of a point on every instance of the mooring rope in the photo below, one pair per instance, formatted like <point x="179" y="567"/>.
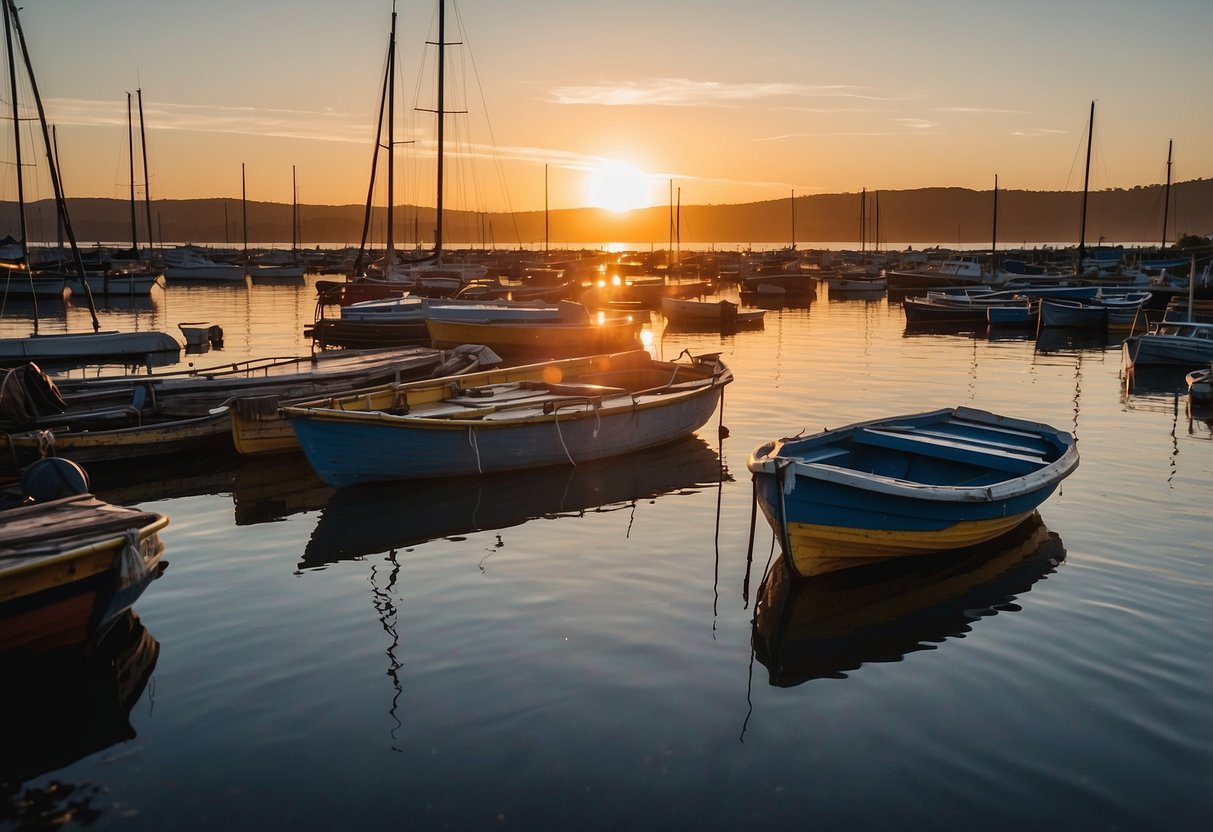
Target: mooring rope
<point x="475" y="447"/>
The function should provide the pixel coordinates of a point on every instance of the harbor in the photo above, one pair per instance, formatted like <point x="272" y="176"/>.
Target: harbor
<point x="614" y="640"/>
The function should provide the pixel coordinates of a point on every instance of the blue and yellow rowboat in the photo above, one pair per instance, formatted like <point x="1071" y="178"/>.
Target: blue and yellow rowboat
<point x="906" y="485"/>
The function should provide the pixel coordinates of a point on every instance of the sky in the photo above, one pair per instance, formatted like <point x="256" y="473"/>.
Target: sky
<point x="621" y="104"/>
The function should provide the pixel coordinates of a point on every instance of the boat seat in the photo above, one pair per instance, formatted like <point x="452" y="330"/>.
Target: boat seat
<point x="1015" y="462"/>
<point x="822" y="454"/>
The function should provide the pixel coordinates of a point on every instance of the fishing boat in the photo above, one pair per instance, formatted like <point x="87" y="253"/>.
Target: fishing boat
<point x="906" y="485"/>
<point x="1170" y="343"/>
<point x="69" y="567"/>
<point x="720" y="315"/>
<point x="550" y="413"/>
<point x="487" y="311"/>
<point x="1025" y="313"/>
<point x="1073" y="314"/>
<point x="116" y="420"/>
<point x="1200" y="385"/>
<point x="575" y="333"/>
<point x="88" y="347"/>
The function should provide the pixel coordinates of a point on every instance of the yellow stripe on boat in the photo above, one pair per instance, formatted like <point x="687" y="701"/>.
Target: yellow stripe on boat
<point x="816" y="550"/>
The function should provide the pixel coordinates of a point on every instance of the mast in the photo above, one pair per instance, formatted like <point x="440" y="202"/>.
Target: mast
<point x="876" y="236"/>
<point x="1166" y="199"/>
<point x="244" y="210"/>
<point x="370" y="193"/>
<point x="147" y="186"/>
<point x="1086" y="181"/>
<point x="12" y="77"/>
<point x="389" y="258"/>
<point x="994" y="233"/>
<point x="294" y="212"/>
<point x="863" y="225"/>
<point x="793" y="219"/>
<point x="441" y="121"/>
<point x="130" y="141"/>
<point x="546" y="236"/>
<point x="60" y="202"/>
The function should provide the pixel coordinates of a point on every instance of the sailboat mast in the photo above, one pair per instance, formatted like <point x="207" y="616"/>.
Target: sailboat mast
<point x="147" y="186"/>
<point x="994" y="232"/>
<point x="546" y="237"/>
<point x="1166" y="199"/>
<point x="863" y="224"/>
<point x="370" y="191"/>
<point x="12" y="77"/>
<point x="130" y="141"/>
<point x="793" y="220"/>
<point x="294" y="212"/>
<point x="244" y="211"/>
<point x="1086" y="183"/>
<point x="60" y="202"/>
<point x="390" y="256"/>
<point x="441" y="121"/>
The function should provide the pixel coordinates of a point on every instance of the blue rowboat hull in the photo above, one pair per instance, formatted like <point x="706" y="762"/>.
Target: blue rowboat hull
<point x="908" y="485"/>
<point x="345" y="454"/>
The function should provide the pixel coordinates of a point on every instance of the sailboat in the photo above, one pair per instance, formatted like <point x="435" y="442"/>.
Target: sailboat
<point x="132" y="276"/>
<point x="274" y="265"/>
<point x="427" y="275"/>
<point x="70" y="347"/>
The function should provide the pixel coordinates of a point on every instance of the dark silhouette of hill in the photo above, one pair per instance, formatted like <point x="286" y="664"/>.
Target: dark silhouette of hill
<point x="942" y="216"/>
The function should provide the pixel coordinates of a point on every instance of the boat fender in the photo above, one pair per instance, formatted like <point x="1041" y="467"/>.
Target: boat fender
<point x="53" y="477"/>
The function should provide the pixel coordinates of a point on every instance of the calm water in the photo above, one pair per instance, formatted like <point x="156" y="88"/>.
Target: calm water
<point x="575" y="648"/>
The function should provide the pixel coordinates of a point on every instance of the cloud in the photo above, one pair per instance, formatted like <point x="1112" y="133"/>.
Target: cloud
<point x="316" y="125"/>
<point x="1039" y="131"/>
<point x="682" y="92"/>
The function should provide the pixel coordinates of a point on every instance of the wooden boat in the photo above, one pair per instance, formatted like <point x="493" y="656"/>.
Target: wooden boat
<point x="86" y="347"/>
<point x="108" y="420"/>
<point x="1023" y="314"/>
<point x="906" y="485"/>
<point x="1200" y="385"/>
<point x="645" y="292"/>
<point x="576" y="333"/>
<point x="486" y="310"/>
<point x="1171" y="343"/>
<point x="827" y="626"/>
<point x="551" y="413"/>
<point x="258" y="427"/>
<point x="856" y="281"/>
<point x="722" y="315"/>
<point x="1076" y="314"/>
<point x="69" y="567"/>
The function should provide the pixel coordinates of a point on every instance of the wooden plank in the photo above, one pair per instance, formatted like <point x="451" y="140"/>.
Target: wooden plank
<point x="958" y="451"/>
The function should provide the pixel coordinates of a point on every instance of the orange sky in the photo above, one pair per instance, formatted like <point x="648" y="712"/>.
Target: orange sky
<point x="728" y="102"/>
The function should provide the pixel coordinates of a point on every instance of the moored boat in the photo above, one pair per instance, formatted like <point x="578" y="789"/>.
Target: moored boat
<point x="906" y="485"/>
<point x="1170" y="343"/>
<point x="575" y="333"/>
<point x="549" y="413"/>
<point x="721" y="315"/>
<point x="1073" y="313"/>
<point x="69" y="567"/>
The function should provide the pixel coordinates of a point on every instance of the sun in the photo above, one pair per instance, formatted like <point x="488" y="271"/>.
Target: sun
<point x="618" y="186"/>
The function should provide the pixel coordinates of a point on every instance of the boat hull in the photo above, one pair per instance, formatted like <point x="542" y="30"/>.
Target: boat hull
<point x="538" y="340"/>
<point x="974" y="476"/>
<point x="347" y="445"/>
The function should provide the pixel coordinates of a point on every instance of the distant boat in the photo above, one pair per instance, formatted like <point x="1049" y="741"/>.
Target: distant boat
<point x="719" y="315"/>
<point x="906" y="485"/>
<point x="551" y="413"/>
<point x="576" y="333"/>
<point x="1171" y="343"/>
<point x="190" y="263"/>
<point x="85" y="347"/>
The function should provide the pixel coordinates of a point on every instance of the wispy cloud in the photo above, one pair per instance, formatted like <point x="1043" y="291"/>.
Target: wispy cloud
<point x="682" y="92"/>
<point x="316" y="125"/>
<point x="1039" y="131"/>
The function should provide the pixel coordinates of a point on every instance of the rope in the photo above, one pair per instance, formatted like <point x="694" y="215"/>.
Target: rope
<point x="559" y="433"/>
<point x="475" y="447"/>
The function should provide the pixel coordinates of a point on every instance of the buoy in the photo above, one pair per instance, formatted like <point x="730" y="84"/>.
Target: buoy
<point x="53" y="477"/>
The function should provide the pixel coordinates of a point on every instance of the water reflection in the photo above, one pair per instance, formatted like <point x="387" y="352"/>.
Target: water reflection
<point x="58" y="708"/>
<point x="826" y="626"/>
<point x="263" y="489"/>
<point x="377" y="518"/>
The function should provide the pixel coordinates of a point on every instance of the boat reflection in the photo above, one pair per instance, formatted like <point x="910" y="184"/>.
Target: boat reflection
<point x="824" y="627"/>
<point x="57" y="708"/>
<point x="263" y="488"/>
<point x="369" y="519"/>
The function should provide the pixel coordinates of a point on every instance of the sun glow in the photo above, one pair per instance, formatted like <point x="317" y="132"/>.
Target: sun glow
<point x="618" y="186"/>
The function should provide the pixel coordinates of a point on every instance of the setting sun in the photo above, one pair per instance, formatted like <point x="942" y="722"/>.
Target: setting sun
<point x="618" y="186"/>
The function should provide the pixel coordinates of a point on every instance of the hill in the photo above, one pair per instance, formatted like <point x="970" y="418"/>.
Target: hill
<point x="943" y="216"/>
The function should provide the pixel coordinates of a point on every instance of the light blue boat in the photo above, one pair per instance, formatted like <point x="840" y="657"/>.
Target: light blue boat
<point x="551" y="413"/>
<point x="906" y="485"/>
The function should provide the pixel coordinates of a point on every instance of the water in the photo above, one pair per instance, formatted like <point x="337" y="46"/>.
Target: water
<point x="575" y="647"/>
